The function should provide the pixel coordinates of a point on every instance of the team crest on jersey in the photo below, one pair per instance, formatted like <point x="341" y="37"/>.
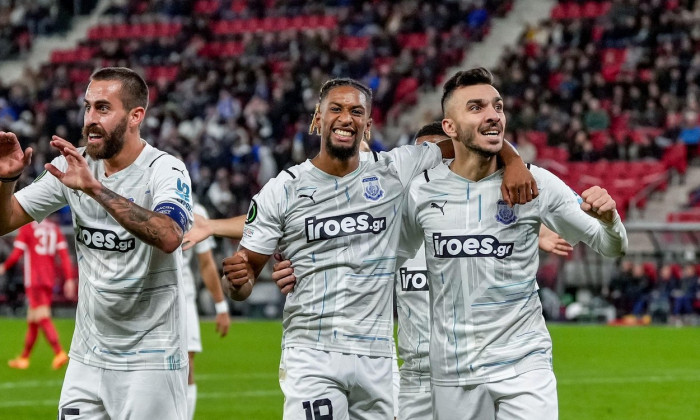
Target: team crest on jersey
<point x="505" y="214"/>
<point x="372" y="188"/>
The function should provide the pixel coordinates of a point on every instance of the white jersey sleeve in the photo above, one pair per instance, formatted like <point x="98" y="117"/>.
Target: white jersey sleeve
<point x="172" y="187"/>
<point x="560" y="209"/>
<point x="266" y="210"/>
<point x="411" y="160"/>
<point x="46" y="194"/>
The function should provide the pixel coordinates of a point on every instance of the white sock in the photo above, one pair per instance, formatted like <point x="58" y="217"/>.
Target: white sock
<point x="191" y="400"/>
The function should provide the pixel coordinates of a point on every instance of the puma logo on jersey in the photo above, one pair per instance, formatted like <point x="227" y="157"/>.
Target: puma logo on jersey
<point x="104" y="240"/>
<point x="441" y="208"/>
<point x="309" y="196"/>
<point x="343" y="225"/>
<point x="413" y="280"/>
<point x="461" y="246"/>
<point x="182" y="171"/>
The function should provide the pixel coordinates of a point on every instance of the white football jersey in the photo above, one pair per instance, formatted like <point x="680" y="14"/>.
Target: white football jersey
<point x="341" y="234"/>
<point x="131" y="309"/>
<point x="413" y="310"/>
<point x="482" y="258"/>
<point x="188" y="277"/>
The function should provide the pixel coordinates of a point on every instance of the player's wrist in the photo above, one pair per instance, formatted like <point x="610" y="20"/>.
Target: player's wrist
<point x="9" y="179"/>
<point x="221" y="307"/>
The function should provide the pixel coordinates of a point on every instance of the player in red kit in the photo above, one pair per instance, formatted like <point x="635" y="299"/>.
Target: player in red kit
<point x="39" y="243"/>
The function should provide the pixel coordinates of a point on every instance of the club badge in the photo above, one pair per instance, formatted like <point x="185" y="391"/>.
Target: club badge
<point x="372" y="189"/>
<point x="505" y="214"/>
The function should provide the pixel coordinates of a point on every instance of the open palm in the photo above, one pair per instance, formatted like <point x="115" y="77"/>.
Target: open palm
<point x="12" y="159"/>
<point x="77" y="175"/>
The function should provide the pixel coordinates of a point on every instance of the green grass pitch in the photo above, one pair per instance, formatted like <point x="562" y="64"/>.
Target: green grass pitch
<point x="602" y="372"/>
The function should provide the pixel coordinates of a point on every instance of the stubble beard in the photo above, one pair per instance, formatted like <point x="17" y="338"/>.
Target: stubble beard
<point x="112" y="143"/>
<point x="341" y="153"/>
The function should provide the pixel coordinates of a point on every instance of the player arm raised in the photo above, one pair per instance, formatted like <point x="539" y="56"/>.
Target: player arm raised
<point x="12" y="162"/>
<point x="153" y="228"/>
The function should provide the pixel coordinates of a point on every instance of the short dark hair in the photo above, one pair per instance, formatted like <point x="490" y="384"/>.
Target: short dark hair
<point x="432" y="129"/>
<point x="345" y="81"/>
<point x="476" y="76"/>
<point x="134" y="91"/>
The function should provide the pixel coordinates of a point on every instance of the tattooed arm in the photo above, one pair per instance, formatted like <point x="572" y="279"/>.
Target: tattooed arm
<point x="155" y="229"/>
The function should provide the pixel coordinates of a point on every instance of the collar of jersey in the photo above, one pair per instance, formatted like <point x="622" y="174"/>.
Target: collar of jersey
<point x="321" y="174"/>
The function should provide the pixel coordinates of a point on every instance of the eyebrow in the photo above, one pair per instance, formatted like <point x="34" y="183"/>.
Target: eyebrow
<point x="339" y="104"/>
<point x="97" y="102"/>
<point x="483" y="101"/>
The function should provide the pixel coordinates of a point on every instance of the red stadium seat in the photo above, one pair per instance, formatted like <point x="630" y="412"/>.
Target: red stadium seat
<point x="558" y="12"/>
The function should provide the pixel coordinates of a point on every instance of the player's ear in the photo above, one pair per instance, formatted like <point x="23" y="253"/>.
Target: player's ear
<point x="448" y="126"/>
<point x="136" y="116"/>
<point x="316" y="120"/>
<point x="368" y="130"/>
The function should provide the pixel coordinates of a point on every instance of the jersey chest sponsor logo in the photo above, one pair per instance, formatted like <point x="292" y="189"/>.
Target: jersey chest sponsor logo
<point x="413" y="280"/>
<point x="463" y="246"/>
<point x="319" y="229"/>
<point x="104" y="240"/>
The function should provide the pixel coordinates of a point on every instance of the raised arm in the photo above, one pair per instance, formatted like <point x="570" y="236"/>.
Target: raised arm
<point x="153" y="228"/>
<point x="12" y="162"/>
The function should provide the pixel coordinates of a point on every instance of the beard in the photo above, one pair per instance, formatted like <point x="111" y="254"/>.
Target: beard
<point x="112" y="143"/>
<point x="341" y="153"/>
<point x="467" y="138"/>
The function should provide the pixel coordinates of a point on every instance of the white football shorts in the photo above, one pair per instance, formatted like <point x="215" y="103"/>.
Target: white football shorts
<point x="91" y="393"/>
<point x="322" y="385"/>
<point x="530" y="395"/>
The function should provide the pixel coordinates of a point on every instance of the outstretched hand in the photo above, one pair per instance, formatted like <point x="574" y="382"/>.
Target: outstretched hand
<point x="200" y="231"/>
<point x="599" y="204"/>
<point x="12" y="159"/>
<point x="551" y="242"/>
<point x="78" y="175"/>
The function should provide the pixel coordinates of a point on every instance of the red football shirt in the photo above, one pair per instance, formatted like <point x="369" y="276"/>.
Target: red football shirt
<point x="40" y="242"/>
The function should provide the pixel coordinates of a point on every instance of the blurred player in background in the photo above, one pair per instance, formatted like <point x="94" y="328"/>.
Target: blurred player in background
<point x="490" y="351"/>
<point x="209" y="272"/>
<point x="131" y="205"/>
<point x="40" y="244"/>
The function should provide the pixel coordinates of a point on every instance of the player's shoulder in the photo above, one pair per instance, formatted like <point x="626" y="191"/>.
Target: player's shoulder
<point x="430" y="178"/>
<point x="285" y="177"/>
<point x="155" y="158"/>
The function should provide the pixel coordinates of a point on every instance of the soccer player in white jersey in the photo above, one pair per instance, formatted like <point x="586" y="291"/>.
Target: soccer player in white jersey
<point x="211" y="279"/>
<point x="490" y="351"/>
<point x="337" y="216"/>
<point x="131" y="204"/>
<point x="413" y="312"/>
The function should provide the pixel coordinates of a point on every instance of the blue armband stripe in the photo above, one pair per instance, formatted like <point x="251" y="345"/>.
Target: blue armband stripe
<point x="175" y="212"/>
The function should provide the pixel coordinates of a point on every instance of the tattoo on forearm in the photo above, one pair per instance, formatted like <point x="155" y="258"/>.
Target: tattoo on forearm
<point x="148" y="226"/>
